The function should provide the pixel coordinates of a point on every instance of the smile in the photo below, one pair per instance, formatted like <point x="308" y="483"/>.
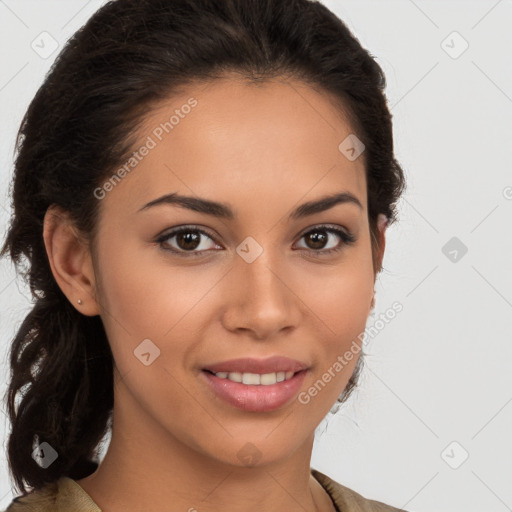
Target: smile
<point x="255" y="392"/>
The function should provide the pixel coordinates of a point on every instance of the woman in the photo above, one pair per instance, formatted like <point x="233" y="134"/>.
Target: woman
<point x="202" y="189"/>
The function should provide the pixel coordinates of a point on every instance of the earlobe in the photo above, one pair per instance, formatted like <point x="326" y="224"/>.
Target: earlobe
<point x="70" y="260"/>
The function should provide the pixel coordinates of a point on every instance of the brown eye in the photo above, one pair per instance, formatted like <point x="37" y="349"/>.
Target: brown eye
<point x="189" y="241"/>
<point x="317" y="239"/>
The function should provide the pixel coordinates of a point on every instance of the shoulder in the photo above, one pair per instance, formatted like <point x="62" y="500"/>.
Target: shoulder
<point x="39" y="500"/>
<point x="60" y="496"/>
<point x="348" y="500"/>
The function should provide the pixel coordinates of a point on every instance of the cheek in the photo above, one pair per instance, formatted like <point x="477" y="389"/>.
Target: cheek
<point x="142" y="291"/>
<point x="146" y="296"/>
<point x="345" y="305"/>
<point x="340" y="296"/>
<point x="132" y="294"/>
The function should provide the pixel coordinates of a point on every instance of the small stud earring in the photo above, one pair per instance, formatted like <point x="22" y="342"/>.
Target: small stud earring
<point x="79" y="301"/>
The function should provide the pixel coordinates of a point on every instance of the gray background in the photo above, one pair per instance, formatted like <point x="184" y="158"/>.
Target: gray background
<point x="437" y="386"/>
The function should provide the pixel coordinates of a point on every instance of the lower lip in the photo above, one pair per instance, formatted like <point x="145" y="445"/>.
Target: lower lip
<point x="256" y="398"/>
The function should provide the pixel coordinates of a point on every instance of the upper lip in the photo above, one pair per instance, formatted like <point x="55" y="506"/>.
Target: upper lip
<point x="250" y="365"/>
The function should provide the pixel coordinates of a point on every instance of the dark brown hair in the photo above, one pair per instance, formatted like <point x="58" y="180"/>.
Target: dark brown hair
<point x="81" y="125"/>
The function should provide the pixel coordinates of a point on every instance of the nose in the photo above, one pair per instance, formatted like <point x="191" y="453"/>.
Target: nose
<point x="260" y="299"/>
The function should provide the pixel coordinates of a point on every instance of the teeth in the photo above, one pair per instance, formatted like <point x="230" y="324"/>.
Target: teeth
<point x="255" y="379"/>
<point x="251" y="378"/>
<point x="236" y="377"/>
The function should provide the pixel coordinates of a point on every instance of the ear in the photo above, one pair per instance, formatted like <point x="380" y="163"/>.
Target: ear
<point x="70" y="260"/>
<point x="382" y="224"/>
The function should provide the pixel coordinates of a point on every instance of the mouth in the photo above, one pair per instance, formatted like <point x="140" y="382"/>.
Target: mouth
<point x="256" y="385"/>
<point x="252" y="392"/>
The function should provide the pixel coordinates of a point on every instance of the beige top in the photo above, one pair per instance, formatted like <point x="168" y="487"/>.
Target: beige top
<point x="66" y="495"/>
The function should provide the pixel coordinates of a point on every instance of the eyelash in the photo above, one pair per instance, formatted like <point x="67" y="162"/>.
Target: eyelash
<point x="346" y="237"/>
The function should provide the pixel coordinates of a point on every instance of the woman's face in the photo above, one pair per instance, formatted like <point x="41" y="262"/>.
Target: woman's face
<point x="259" y="282"/>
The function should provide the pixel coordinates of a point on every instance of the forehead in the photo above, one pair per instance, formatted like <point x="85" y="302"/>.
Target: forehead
<point x="232" y="140"/>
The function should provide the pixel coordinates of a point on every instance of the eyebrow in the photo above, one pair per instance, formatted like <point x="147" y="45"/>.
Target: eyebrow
<point x="224" y="211"/>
